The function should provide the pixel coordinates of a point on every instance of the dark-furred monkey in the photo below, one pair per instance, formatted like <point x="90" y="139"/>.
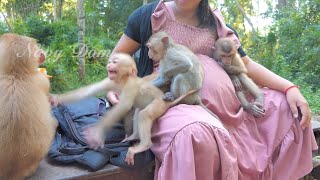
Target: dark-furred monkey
<point x="228" y="58"/>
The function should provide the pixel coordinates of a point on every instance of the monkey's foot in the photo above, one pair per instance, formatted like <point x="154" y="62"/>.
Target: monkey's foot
<point x="168" y="96"/>
<point x="134" y="150"/>
<point x="130" y="156"/>
<point x="131" y="137"/>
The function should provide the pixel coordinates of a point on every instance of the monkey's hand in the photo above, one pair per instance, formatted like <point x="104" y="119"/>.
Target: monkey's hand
<point x="222" y="64"/>
<point x="168" y="96"/>
<point x="229" y="69"/>
<point x="236" y="82"/>
<point x="160" y="81"/>
<point x="256" y="109"/>
<point x="54" y="99"/>
<point x="130" y="156"/>
<point x="94" y="136"/>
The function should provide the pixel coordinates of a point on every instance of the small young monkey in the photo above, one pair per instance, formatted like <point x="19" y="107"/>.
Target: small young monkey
<point x="179" y="67"/>
<point x="26" y="125"/>
<point x="133" y="92"/>
<point x="228" y="58"/>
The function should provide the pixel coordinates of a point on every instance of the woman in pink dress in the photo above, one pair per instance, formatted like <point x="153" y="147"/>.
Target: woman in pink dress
<point x="188" y="142"/>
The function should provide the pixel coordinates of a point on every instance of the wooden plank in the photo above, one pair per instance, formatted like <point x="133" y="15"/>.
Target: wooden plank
<point x="316" y="161"/>
<point x="52" y="171"/>
<point x="315" y="125"/>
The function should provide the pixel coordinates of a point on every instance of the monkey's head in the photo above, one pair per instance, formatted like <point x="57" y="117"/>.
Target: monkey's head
<point x="225" y="50"/>
<point x="121" y="66"/>
<point x="19" y="54"/>
<point x="158" y="44"/>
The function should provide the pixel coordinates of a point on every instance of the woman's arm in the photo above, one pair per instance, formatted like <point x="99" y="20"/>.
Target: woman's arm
<point x="265" y="78"/>
<point x="126" y="45"/>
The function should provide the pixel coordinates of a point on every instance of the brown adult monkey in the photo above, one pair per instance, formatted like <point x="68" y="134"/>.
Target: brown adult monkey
<point x="228" y="58"/>
<point x="133" y="92"/>
<point x="179" y="67"/>
<point x="26" y="125"/>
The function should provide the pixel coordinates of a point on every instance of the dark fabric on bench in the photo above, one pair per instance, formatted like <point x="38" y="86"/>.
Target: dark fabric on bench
<point x="69" y="145"/>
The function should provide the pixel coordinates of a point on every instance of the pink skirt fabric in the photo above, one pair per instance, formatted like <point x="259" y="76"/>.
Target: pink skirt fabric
<point x="190" y="144"/>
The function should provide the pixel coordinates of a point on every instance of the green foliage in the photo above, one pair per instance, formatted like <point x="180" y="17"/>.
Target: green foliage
<point x="64" y="69"/>
<point x="109" y="16"/>
<point x="291" y="48"/>
<point x="310" y="94"/>
<point x="59" y="40"/>
<point x="3" y="28"/>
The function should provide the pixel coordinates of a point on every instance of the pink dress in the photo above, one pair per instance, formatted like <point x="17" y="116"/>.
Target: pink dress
<point x="190" y="144"/>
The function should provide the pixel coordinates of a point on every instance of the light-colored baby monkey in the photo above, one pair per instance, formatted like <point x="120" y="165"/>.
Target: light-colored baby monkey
<point x="179" y="68"/>
<point x="26" y="125"/>
<point x="228" y="58"/>
<point x="133" y="92"/>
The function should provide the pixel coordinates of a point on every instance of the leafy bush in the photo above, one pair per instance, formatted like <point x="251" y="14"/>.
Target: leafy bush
<point x="60" y="41"/>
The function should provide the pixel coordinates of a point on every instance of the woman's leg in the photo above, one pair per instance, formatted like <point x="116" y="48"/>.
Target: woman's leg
<point x="190" y="144"/>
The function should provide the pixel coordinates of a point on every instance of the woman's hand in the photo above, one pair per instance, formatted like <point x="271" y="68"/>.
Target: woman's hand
<point x="296" y="100"/>
<point x="53" y="99"/>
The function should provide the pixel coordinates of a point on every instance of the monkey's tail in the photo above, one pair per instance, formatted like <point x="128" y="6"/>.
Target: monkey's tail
<point x="176" y="101"/>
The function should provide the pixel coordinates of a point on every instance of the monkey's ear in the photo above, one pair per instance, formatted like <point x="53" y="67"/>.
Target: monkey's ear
<point x="133" y="72"/>
<point x="165" y="40"/>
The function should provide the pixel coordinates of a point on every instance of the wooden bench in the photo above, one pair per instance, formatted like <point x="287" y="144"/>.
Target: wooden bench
<point x="315" y="173"/>
<point x="315" y="125"/>
<point x="52" y="171"/>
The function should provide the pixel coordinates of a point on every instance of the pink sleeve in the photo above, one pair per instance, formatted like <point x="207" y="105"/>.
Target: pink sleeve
<point x="222" y="29"/>
<point x="159" y="17"/>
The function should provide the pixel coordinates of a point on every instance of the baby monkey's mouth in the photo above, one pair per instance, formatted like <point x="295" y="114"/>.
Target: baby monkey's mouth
<point x="156" y="63"/>
<point x="112" y="72"/>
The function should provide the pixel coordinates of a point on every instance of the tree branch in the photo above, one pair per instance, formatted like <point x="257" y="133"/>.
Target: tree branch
<point x="246" y="17"/>
<point x="8" y="24"/>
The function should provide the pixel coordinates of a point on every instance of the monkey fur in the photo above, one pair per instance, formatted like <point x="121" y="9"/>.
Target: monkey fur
<point x="26" y="125"/>
<point x="228" y="58"/>
<point x="179" y="67"/>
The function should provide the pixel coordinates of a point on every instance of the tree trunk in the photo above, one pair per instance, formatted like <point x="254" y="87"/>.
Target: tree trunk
<point x="82" y="46"/>
<point x="55" y="10"/>
<point x="145" y="2"/>
<point x="59" y="9"/>
<point x="282" y="3"/>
